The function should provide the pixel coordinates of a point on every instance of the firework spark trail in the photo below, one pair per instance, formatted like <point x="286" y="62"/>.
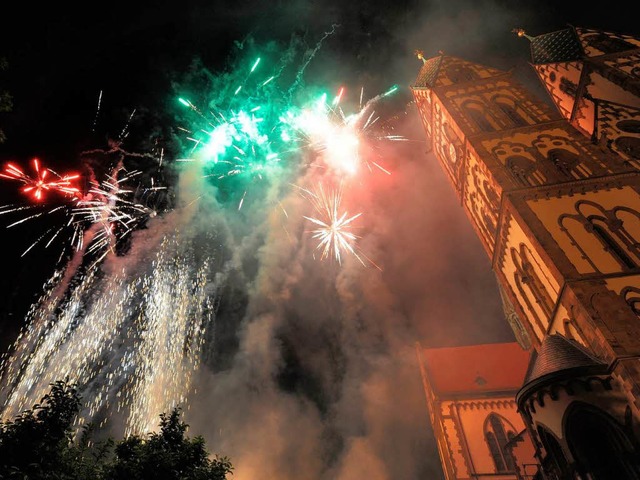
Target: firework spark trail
<point x="125" y="129"/>
<point x="95" y="120"/>
<point x="131" y="341"/>
<point x="310" y="57"/>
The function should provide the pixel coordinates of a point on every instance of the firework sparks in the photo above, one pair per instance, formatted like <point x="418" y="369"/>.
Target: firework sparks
<point x="41" y="182"/>
<point x="341" y="138"/>
<point x="131" y="340"/>
<point x="334" y="226"/>
<point x="103" y="210"/>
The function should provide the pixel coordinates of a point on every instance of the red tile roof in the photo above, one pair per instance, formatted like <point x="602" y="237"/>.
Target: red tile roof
<point x="476" y="368"/>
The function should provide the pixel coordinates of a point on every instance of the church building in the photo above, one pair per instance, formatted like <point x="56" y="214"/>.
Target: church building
<point x="553" y="193"/>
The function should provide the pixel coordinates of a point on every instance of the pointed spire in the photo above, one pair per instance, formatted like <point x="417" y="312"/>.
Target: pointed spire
<point x="420" y="55"/>
<point x="521" y="33"/>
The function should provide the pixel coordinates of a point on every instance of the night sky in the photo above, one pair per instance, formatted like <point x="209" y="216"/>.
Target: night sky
<point x="365" y="418"/>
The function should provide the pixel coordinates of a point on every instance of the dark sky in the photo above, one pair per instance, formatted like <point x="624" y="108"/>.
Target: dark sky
<point x="60" y="58"/>
<point x="437" y="287"/>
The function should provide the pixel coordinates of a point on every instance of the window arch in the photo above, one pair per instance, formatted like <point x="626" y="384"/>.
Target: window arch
<point x="524" y="171"/>
<point x="530" y="287"/>
<point x="497" y="433"/>
<point x="601" y="230"/>
<point x="567" y="163"/>
<point x="571" y="330"/>
<point x="476" y="112"/>
<point x="508" y="107"/>
<point x="609" y="227"/>
<point x="555" y="461"/>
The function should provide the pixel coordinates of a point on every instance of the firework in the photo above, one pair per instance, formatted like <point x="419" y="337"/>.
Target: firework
<point x="131" y="340"/>
<point x="345" y="141"/>
<point x="104" y="213"/>
<point x="334" y="226"/>
<point x="35" y="186"/>
<point x="132" y="336"/>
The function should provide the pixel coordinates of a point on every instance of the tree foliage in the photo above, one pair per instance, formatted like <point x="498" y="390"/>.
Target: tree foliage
<point x="39" y="444"/>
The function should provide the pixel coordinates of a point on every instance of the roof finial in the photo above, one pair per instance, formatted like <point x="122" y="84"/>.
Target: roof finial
<point x="521" y="33"/>
<point x="420" y="55"/>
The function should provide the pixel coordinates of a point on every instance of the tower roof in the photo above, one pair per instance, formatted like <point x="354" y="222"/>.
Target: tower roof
<point x="557" y="353"/>
<point x="561" y="46"/>
<point x="572" y="44"/>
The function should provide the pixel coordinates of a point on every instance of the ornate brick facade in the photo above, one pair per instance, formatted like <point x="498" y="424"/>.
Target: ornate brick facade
<point x="554" y="196"/>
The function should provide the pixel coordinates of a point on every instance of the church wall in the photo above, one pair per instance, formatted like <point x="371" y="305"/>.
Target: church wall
<point x="424" y="104"/>
<point x="472" y="414"/>
<point x="481" y="199"/>
<point x="561" y="81"/>
<point x="605" y="89"/>
<point x="455" y="441"/>
<point x="564" y="322"/>
<point x="543" y="155"/>
<point x="618" y="129"/>
<point x="447" y="143"/>
<point x="533" y="284"/>
<point x="608" y="321"/>
<point x="588" y="228"/>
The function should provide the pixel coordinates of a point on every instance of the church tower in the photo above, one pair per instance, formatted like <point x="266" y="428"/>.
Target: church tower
<point x="593" y="77"/>
<point x="557" y="213"/>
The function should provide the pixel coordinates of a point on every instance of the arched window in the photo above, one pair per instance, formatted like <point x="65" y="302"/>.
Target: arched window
<point x="524" y="171"/>
<point x="497" y="432"/>
<point x="629" y="126"/>
<point x="510" y="112"/>
<point x="600" y="447"/>
<point x="555" y="462"/>
<point x="613" y="228"/>
<point x="531" y="287"/>
<point x="476" y="112"/>
<point x="567" y="163"/>
<point x="601" y="231"/>
<point x="629" y="146"/>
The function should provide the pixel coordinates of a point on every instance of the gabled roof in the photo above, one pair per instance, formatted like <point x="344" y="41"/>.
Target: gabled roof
<point x="558" y="353"/>
<point x="434" y="71"/>
<point x="495" y="367"/>
<point x="561" y="46"/>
